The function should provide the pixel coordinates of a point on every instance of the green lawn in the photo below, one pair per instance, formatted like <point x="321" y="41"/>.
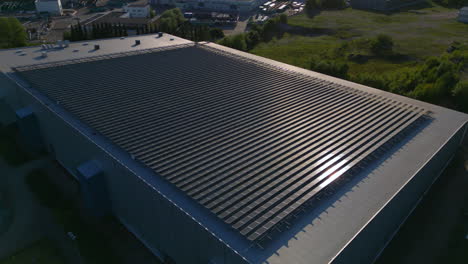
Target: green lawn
<point x="40" y="252"/>
<point x="417" y="34"/>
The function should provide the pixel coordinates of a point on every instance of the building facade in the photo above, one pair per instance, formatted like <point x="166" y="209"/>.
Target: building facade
<point x="463" y="15"/>
<point x="212" y="155"/>
<point x="53" y="7"/>
<point x="137" y="10"/>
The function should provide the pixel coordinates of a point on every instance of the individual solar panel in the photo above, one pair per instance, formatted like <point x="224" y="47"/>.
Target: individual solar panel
<point x="251" y="142"/>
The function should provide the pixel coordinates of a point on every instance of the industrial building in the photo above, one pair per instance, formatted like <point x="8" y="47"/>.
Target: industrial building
<point x="383" y="5"/>
<point x="463" y="15"/>
<point x="53" y="7"/>
<point x="137" y="10"/>
<point x="213" y="155"/>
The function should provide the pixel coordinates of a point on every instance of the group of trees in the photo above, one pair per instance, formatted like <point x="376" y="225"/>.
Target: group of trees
<point x="96" y="31"/>
<point x="256" y="34"/>
<point x="452" y="3"/>
<point x="437" y="81"/>
<point x="12" y="33"/>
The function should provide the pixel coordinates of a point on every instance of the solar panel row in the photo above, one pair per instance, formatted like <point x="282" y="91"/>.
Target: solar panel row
<point x="250" y="142"/>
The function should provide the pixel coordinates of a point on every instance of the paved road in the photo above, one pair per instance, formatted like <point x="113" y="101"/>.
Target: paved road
<point x="31" y="221"/>
<point x="240" y="28"/>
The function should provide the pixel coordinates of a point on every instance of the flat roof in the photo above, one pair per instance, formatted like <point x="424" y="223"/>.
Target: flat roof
<point x="239" y="131"/>
<point x="251" y="149"/>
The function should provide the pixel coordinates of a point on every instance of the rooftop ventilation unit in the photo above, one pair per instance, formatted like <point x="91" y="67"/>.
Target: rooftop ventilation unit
<point x="137" y="42"/>
<point x="96" y="47"/>
<point x="160" y="34"/>
<point x="44" y="54"/>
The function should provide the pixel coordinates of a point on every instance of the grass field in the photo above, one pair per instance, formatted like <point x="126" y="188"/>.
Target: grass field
<point x="40" y="252"/>
<point x="417" y="34"/>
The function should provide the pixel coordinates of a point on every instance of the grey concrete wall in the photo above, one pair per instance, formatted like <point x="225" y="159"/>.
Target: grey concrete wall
<point x="375" y="236"/>
<point x="152" y="218"/>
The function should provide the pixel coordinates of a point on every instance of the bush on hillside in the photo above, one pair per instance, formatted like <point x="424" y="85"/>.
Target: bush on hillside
<point x="382" y="45"/>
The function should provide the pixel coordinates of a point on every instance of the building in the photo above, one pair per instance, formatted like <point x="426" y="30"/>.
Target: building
<point x="137" y="10"/>
<point x="383" y="5"/>
<point x="214" y="5"/>
<point x="53" y="7"/>
<point x="122" y="18"/>
<point x="213" y="155"/>
<point x="463" y="15"/>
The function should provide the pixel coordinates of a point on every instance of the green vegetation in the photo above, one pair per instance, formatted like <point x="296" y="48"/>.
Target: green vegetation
<point x="170" y="20"/>
<point x="419" y="54"/>
<point x="12" y="33"/>
<point x="97" y="31"/>
<point x="453" y="3"/>
<point x="13" y="154"/>
<point x="246" y="41"/>
<point x="40" y="252"/>
<point x="93" y="246"/>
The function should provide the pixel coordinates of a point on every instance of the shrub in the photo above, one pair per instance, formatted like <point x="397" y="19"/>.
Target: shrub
<point x="330" y="67"/>
<point x="382" y="45"/>
<point x="216" y="33"/>
<point x="460" y="94"/>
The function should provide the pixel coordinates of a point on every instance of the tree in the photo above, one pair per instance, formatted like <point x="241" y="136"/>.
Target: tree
<point x="236" y="42"/>
<point x="216" y="33"/>
<point x="312" y="7"/>
<point x="382" y="45"/>
<point x="460" y="94"/>
<point x="283" y="19"/>
<point x="12" y="33"/>
<point x="333" y="4"/>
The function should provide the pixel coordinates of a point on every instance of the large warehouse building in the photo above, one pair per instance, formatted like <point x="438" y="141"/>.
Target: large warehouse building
<point x="212" y="155"/>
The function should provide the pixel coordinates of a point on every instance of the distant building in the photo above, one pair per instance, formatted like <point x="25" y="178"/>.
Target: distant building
<point x="383" y="5"/>
<point x="137" y="10"/>
<point x="122" y="18"/>
<point x="53" y="7"/>
<point x="463" y="15"/>
<point x="213" y="5"/>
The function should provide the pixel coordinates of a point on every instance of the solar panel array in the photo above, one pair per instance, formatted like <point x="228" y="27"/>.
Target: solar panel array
<point x="249" y="141"/>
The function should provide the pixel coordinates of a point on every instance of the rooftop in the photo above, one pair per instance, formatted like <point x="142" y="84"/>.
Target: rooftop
<point x="252" y="150"/>
<point x="252" y="140"/>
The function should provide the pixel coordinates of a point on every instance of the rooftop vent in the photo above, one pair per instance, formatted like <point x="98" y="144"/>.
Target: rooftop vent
<point x="96" y="47"/>
<point x="43" y="54"/>
<point x="137" y="42"/>
<point x="160" y="34"/>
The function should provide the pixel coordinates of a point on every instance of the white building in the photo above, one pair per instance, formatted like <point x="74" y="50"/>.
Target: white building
<point x="137" y="10"/>
<point x="463" y="15"/>
<point x="53" y="7"/>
